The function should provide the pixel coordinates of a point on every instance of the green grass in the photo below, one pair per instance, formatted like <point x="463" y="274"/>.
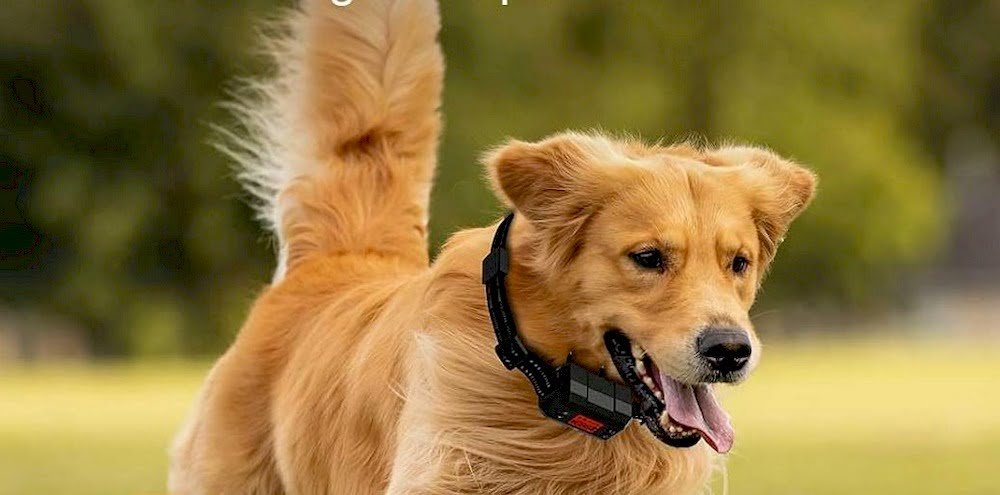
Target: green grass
<point x="869" y="417"/>
<point x="817" y="418"/>
<point x="90" y="430"/>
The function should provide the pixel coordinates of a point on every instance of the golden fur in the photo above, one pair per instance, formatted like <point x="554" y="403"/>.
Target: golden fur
<point x="363" y="370"/>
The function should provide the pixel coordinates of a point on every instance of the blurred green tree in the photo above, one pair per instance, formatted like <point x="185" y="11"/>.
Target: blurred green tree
<point x="832" y="85"/>
<point x="960" y="72"/>
<point x="124" y="217"/>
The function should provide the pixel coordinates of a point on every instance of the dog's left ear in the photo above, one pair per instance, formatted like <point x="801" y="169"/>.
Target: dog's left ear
<point x="558" y="182"/>
<point x="779" y="190"/>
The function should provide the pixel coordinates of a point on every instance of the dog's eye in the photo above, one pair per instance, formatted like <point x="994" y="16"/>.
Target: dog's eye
<point x="650" y="258"/>
<point x="740" y="265"/>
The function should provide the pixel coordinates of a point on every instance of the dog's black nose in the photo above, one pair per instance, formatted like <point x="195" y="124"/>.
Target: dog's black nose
<point x="726" y="350"/>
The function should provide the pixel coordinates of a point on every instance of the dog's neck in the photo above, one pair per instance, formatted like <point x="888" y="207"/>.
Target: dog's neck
<point x="544" y="314"/>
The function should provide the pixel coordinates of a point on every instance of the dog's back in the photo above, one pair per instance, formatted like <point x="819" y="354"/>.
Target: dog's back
<point x="340" y="156"/>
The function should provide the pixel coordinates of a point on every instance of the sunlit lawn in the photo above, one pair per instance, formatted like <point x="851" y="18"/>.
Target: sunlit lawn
<point x="888" y="417"/>
<point x="817" y="418"/>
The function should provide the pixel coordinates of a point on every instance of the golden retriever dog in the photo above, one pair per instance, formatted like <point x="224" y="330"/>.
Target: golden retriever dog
<point x="364" y="368"/>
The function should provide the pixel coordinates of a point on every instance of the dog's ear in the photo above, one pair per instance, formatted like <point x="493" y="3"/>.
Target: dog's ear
<point x="559" y="178"/>
<point x="779" y="190"/>
<point x="558" y="182"/>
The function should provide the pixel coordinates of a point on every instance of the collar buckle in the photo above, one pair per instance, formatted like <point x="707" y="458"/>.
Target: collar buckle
<point x="495" y="264"/>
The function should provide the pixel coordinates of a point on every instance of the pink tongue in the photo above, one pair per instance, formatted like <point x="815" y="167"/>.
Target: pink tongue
<point x="696" y="407"/>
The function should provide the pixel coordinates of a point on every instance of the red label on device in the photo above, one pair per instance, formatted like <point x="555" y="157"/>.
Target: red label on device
<point x="586" y="424"/>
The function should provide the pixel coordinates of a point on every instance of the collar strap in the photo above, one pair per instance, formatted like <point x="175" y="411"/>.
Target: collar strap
<point x="569" y="394"/>
<point x="510" y="349"/>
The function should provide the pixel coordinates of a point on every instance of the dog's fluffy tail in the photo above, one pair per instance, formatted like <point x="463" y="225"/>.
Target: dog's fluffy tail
<point x="341" y="143"/>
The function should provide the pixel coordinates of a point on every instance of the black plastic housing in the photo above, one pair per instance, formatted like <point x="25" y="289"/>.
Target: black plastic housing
<point x="588" y="402"/>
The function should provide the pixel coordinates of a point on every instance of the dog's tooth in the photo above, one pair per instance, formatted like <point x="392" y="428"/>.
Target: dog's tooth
<point x="638" y="352"/>
<point x="658" y="394"/>
<point x="640" y="366"/>
<point x="648" y="381"/>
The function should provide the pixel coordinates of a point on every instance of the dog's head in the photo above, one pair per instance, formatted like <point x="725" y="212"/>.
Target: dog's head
<point x="667" y="245"/>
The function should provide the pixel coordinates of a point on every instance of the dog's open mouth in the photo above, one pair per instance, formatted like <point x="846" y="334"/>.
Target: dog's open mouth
<point x="676" y="413"/>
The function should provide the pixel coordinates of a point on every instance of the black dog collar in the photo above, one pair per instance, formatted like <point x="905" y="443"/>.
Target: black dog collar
<point x="570" y="393"/>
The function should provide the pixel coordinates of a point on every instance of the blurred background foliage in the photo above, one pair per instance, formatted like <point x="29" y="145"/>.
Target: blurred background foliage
<point x="117" y="213"/>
